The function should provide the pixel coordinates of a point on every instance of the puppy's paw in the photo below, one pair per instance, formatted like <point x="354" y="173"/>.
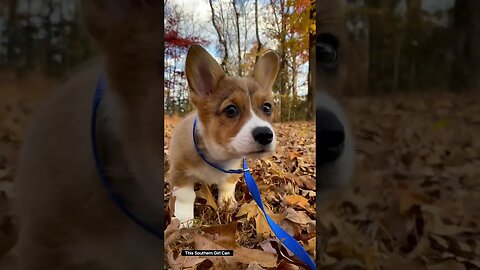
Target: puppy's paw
<point x="184" y="201"/>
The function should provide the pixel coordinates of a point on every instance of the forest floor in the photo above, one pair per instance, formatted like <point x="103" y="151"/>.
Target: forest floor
<point x="413" y="203"/>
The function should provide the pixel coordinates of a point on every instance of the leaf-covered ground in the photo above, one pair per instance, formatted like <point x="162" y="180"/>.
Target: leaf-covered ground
<point x="287" y="184"/>
<point x="413" y="203"/>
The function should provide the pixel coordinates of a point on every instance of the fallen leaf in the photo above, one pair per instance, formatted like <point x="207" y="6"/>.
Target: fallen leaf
<point x="297" y="200"/>
<point x="266" y="245"/>
<point x="250" y="209"/>
<point x="254" y="266"/>
<point x="171" y="232"/>
<point x="297" y="216"/>
<point x="447" y="265"/>
<point x="191" y="261"/>
<point x="205" y="193"/>
<point x="224" y="234"/>
<point x="240" y="254"/>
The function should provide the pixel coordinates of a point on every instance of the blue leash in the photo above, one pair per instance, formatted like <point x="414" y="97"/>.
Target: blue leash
<point x="287" y="240"/>
<point x="116" y="198"/>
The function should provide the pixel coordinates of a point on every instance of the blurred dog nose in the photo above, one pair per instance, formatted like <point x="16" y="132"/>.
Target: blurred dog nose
<point x="331" y="132"/>
<point x="330" y="136"/>
<point x="263" y="135"/>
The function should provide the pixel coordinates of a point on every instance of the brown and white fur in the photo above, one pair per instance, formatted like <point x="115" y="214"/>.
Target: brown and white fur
<point x="223" y="139"/>
<point x="67" y="219"/>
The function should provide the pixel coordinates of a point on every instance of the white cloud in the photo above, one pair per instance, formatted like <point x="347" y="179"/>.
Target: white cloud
<point x="200" y="8"/>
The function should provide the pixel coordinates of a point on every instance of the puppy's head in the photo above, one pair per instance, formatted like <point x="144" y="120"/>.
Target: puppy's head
<point x="235" y="113"/>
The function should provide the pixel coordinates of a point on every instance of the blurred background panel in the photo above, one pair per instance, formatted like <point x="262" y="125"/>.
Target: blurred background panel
<point x="41" y="36"/>
<point x="409" y="80"/>
<point x="413" y="45"/>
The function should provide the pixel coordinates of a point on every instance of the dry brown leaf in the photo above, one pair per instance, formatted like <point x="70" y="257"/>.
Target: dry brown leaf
<point x="297" y="216"/>
<point x="190" y="261"/>
<point x="261" y="225"/>
<point x="240" y="254"/>
<point x="205" y="193"/>
<point x="346" y="263"/>
<point x="4" y="173"/>
<point x="440" y="241"/>
<point x="174" y="264"/>
<point x="397" y="262"/>
<point x="250" y="209"/>
<point x="408" y="199"/>
<point x="311" y="244"/>
<point x="171" y="206"/>
<point x="171" y="232"/>
<point x="447" y="265"/>
<point x="223" y="234"/>
<point x="254" y="266"/>
<point x="297" y="200"/>
<point x="327" y="260"/>
<point x="267" y="245"/>
<point x="284" y="265"/>
<point x="422" y="246"/>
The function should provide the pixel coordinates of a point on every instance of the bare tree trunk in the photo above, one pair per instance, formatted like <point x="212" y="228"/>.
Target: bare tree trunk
<point x="29" y="38"/>
<point x="279" y="18"/>
<point x="221" y="38"/>
<point x="237" y="26"/>
<point x="245" y="32"/>
<point x="466" y="66"/>
<point x="49" y="29"/>
<point x="311" y="106"/>
<point x="415" y="32"/>
<point x="294" y="78"/>
<point x="259" y="42"/>
<point x="12" y="32"/>
<point x="283" y="54"/>
<point x="396" y="62"/>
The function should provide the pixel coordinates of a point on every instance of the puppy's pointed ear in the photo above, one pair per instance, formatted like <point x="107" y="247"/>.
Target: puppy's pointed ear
<point x="105" y="16"/>
<point x="202" y="70"/>
<point x="266" y="69"/>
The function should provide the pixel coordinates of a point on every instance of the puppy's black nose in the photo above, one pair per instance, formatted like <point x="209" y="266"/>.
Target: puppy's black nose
<point x="263" y="135"/>
<point x="330" y="136"/>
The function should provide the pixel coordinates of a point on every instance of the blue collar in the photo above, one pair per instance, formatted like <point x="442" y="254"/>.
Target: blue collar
<point x="107" y="184"/>
<point x="202" y="156"/>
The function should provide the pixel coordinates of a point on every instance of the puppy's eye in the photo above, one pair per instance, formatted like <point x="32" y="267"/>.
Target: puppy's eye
<point x="327" y="51"/>
<point x="267" y="108"/>
<point x="231" y="111"/>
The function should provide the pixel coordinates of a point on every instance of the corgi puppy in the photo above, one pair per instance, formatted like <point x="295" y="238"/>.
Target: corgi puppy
<point x="233" y="121"/>
<point x="67" y="218"/>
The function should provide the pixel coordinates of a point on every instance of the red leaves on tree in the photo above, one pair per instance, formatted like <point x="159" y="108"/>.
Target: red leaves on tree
<point x="175" y="42"/>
